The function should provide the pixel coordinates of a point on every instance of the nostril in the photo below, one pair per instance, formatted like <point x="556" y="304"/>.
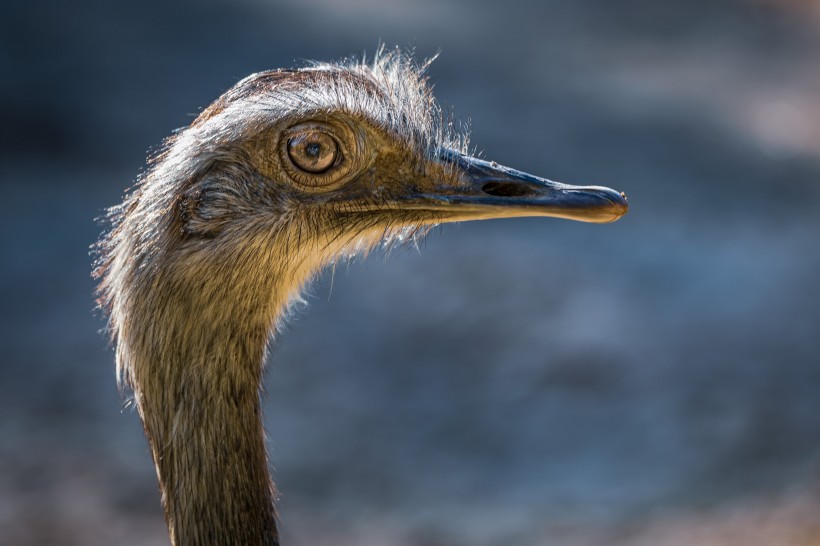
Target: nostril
<point x="507" y="189"/>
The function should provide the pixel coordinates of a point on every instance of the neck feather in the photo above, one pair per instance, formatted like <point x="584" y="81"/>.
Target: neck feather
<point x="196" y="372"/>
<point x="192" y="329"/>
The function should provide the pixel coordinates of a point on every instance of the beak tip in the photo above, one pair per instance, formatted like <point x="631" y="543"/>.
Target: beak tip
<point x="620" y="207"/>
<point x="612" y="205"/>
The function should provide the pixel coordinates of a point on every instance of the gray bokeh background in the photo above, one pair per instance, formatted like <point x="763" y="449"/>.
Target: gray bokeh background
<point x="527" y="382"/>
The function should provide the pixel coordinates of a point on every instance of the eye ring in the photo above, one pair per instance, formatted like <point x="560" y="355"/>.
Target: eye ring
<point x="313" y="151"/>
<point x="338" y="159"/>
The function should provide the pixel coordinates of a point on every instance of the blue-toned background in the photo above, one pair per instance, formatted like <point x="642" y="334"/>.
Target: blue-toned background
<point x="524" y="382"/>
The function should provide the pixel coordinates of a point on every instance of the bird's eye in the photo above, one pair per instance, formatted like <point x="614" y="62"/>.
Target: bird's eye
<point x="313" y="152"/>
<point x="321" y="156"/>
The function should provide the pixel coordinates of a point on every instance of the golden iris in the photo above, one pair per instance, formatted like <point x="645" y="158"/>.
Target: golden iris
<point x="313" y="152"/>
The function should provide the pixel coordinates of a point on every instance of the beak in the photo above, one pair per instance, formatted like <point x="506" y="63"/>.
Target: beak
<point x="485" y="189"/>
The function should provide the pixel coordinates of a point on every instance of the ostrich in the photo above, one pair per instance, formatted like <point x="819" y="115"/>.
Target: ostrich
<point x="284" y="173"/>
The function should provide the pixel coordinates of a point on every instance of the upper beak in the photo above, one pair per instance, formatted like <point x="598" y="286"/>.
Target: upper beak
<point x="485" y="189"/>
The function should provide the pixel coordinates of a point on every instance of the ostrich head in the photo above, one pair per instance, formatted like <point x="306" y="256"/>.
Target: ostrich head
<point x="283" y="173"/>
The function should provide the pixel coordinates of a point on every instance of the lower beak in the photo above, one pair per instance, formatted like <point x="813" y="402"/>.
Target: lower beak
<point x="485" y="189"/>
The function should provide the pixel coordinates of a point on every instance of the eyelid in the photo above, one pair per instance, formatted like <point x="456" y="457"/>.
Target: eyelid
<point x="350" y="159"/>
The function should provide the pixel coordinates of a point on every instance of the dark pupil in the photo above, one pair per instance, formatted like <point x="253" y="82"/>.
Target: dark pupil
<point x="313" y="149"/>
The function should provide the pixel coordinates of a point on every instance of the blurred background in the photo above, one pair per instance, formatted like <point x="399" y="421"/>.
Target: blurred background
<point x="526" y="382"/>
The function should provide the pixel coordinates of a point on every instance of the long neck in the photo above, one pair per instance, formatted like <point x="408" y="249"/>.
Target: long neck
<point x="197" y="389"/>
